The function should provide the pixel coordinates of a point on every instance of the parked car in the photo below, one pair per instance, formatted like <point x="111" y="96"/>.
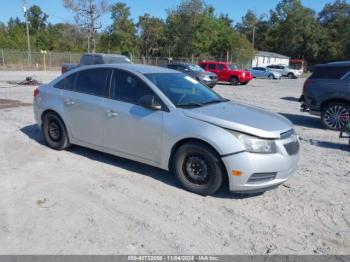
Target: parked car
<point x="327" y="93"/>
<point x="227" y="72"/>
<point x="208" y="78"/>
<point x="95" y="59"/>
<point x="285" y="71"/>
<point x="262" y="72"/>
<point x="167" y="119"/>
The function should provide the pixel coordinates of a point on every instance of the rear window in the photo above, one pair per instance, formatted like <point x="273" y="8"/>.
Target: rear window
<point x="67" y="83"/>
<point x="333" y="72"/>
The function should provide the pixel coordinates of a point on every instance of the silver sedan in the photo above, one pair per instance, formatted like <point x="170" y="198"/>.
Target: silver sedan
<point x="262" y="72"/>
<point x="167" y="119"/>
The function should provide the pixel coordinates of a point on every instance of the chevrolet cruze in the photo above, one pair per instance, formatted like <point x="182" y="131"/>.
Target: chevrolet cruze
<point x="167" y="119"/>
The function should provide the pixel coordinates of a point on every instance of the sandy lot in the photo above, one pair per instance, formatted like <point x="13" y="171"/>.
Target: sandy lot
<point x="81" y="201"/>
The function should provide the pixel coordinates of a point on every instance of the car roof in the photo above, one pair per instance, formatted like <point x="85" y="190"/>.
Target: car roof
<point x="180" y="63"/>
<point x="214" y="62"/>
<point x="103" y="54"/>
<point x="337" y="63"/>
<point x="140" y="68"/>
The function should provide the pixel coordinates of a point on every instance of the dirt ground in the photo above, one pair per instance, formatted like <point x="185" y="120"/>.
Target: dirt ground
<point x="81" y="201"/>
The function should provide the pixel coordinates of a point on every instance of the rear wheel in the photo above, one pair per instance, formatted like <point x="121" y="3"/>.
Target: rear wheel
<point x="55" y="133"/>
<point x="198" y="168"/>
<point x="335" y="115"/>
<point x="234" y="81"/>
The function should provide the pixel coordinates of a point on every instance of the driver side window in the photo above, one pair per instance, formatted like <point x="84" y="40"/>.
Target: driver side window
<point x="127" y="87"/>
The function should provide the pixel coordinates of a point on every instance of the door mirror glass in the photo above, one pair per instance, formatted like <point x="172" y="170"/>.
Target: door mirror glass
<point x="150" y="101"/>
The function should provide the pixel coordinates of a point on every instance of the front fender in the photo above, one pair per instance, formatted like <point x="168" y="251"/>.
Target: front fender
<point x="220" y="139"/>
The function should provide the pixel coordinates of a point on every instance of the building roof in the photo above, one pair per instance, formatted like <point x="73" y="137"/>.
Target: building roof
<point x="271" y="54"/>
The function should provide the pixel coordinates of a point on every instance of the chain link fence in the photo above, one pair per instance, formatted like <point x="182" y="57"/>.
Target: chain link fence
<point x="18" y="60"/>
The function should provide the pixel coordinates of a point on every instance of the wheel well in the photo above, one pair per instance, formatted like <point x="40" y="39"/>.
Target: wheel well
<point x="54" y="112"/>
<point x="191" y="140"/>
<point x="334" y="100"/>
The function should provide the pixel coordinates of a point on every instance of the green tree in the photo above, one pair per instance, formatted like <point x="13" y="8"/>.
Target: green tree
<point x="294" y="31"/>
<point x="37" y="18"/>
<point x="151" y="35"/>
<point x="121" y="35"/>
<point x="335" y="20"/>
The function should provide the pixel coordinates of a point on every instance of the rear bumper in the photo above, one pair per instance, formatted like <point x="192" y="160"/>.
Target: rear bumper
<point x="260" y="172"/>
<point x="309" y="105"/>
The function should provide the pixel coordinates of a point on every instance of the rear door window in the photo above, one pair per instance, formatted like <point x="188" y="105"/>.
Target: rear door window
<point x="333" y="72"/>
<point x="204" y="66"/>
<point x="128" y="87"/>
<point x="212" y="66"/>
<point x="221" y="67"/>
<point x="93" y="82"/>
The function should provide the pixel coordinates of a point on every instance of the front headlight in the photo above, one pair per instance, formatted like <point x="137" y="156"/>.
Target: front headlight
<point x="256" y="145"/>
<point x="206" y="78"/>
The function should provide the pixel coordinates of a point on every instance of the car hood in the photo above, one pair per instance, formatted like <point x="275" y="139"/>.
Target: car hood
<point x="206" y="73"/>
<point x="242" y="118"/>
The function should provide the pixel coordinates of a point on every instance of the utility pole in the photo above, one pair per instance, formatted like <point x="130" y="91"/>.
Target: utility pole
<point x="253" y="43"/>
<point x="25" y="9"/>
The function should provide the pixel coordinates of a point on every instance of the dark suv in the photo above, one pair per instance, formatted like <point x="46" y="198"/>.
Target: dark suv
<point x="327" y="93"/>
<point x="207" y="78"/>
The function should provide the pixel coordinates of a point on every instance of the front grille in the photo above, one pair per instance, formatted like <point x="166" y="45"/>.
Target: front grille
<point x="261" y="177"/>
<point x="292" y="148"/>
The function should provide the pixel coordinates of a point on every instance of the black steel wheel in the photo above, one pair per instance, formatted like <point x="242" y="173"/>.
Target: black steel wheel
<point x="54" y="130"/>
<point x="198" y="168"/>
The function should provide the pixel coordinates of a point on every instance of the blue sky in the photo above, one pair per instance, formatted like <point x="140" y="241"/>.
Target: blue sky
<point x="234" y="8"/>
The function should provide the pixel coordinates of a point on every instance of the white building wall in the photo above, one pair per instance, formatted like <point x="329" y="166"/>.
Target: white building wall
<point x="264" y="61"/>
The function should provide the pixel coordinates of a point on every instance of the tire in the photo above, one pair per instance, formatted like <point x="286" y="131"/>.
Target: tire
<point x="195" y="157"/>
<point x="234" y="81"/>
<point x="290" y="76"/>
<point x="55" y="133"/>
<point x="334" y="116"/>
<point x="244" y="83"/>
<point x="270" y="76"/>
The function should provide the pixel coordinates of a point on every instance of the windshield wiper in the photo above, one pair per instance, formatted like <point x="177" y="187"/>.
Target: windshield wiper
<point x="192" y="104"/>
<point x="216" y="101"/>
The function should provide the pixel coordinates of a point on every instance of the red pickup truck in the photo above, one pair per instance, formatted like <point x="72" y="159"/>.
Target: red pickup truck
<point x="227" y="72"/>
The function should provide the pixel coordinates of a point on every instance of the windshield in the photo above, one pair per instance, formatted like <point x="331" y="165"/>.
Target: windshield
<point x="196" y="68"/>
<point x="232" y="66"/>
<point x="183" y="90"/>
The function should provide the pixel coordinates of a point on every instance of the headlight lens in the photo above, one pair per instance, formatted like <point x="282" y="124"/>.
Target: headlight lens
<point x="256" y="145"/>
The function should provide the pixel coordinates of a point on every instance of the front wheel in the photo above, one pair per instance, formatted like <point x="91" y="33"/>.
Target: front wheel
<point x="335" y="115"/>
<point x="270" y="76"/>
<point x="290" y="76"/>
<point x="198" y="168"/>
<point x="55" y="133"/>
<point x="234" y="81"/>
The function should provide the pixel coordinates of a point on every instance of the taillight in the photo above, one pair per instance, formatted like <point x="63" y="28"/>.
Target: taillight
<point x="62" y="70"/>
<point x="306" y="84"/>
<point x="36" y="92"/>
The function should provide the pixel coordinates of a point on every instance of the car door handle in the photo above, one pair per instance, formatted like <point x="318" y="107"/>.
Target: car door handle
<point x="69" y="102"/>
<point x="111" y="113"/>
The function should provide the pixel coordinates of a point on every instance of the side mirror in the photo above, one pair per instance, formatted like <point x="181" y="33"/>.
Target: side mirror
<point x="150" y="101"/>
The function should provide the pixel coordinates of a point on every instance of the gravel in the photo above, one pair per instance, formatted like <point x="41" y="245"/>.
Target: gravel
<point x="81" y="201"/>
